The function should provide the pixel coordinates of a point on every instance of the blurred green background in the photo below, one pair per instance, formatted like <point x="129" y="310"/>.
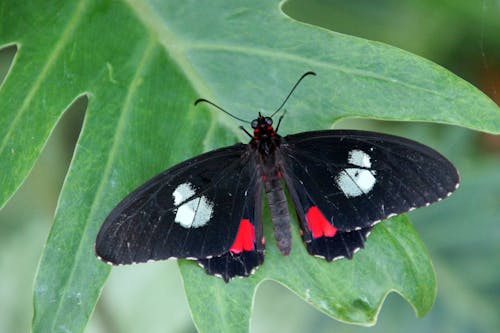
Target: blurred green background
<point x="462" y="233"/>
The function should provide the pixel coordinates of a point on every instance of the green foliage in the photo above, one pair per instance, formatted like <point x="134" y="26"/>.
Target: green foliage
<point x="140" y="66"/>
<point x="349" y="290"/>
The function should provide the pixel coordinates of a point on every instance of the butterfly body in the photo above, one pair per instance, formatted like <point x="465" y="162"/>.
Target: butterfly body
<point x="265" y="143"/>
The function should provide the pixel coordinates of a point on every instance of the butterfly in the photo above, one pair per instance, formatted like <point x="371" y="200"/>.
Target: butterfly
<point x="208" y="208"/>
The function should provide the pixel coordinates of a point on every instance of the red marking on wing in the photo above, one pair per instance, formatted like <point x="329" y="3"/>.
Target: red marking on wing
<point x="245" y="237"/>
<point x="318" y="224"/>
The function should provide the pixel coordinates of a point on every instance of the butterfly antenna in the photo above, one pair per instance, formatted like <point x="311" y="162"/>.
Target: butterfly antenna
<point x="291" y="91"/>
<point x="199" y="100"/>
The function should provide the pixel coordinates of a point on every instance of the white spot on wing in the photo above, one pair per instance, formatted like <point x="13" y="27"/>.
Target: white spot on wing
<point x="182" y="192"/>
<point x="359" y="158"/>
<point x="185" y="215"/>
<point x="356" y="181"/>
<point x="193" y="213"/>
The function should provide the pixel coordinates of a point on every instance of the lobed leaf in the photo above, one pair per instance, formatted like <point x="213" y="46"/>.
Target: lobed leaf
<point x="140" y="65"/>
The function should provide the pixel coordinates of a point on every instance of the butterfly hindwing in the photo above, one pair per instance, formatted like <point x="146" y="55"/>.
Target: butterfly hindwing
<point x="344" y="181"/>
<point x="342" y="245"/>
<point x="192" y="210"/>
<point x="247" y="249"/>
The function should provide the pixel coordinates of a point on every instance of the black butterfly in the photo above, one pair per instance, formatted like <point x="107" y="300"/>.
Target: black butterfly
<point x="208" y="208"/>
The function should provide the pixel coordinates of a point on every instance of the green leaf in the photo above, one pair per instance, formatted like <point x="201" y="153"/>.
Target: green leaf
<point x="140" y="66"/>
<point x="352" y="291"/>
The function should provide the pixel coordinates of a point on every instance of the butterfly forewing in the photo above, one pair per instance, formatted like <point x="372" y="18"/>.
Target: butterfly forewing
<point x="191" y="210"/>
<point x="357" y="178"/>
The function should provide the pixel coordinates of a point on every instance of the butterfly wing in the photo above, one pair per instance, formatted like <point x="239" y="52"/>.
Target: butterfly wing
<point x="247" y="249"/>
<point x="344" y="181"/>
<point x="192" y="210"/>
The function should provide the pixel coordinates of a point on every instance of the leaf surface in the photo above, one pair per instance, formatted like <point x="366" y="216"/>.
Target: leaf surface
<point x="140" y="65"/>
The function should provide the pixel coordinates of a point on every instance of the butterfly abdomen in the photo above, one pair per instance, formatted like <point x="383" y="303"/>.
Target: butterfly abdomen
<point x="278" y="207"/>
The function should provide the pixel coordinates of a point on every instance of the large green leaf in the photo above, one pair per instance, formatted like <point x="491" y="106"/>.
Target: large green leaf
<point x="349" y="290"/>
<point x="140" y="65"/>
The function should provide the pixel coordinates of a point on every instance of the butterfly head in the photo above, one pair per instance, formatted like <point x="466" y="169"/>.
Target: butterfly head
<point x="262" y="127"/>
